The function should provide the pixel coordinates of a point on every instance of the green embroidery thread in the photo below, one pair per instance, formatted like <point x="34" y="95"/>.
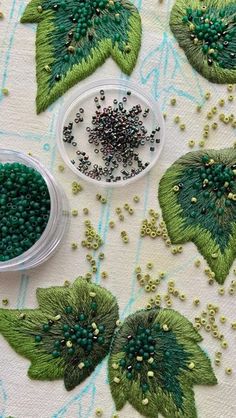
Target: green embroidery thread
<point x="207" y="33"/>
<point x="74" y="39"/>
<point x="154" y="362"/>
<point x="68" y="335"/>
<point x="197" y="195"/>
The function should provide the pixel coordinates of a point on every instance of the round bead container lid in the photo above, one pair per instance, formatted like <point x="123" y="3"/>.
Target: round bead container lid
<point x="110" y="132"/>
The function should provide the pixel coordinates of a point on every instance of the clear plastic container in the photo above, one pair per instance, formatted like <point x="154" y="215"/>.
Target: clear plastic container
<point x="57" y="223"/>
<point x="83" y="97"/>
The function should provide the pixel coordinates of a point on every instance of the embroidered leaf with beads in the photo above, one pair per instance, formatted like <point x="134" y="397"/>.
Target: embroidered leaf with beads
<point x="207" y="33"/>
<point x="155" y="361"/>
<point x="68" y="335"/>
<point x="75" y="37"/>
<point x="197" y="195"/>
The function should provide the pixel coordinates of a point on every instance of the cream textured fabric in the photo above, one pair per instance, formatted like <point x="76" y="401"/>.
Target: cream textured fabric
<point x="164" y="72"/>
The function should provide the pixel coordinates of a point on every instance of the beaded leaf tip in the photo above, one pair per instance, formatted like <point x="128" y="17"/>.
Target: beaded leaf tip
<point x="197" y="195"/>
<point x="68" y="335"/>
<point x="207" y="33"/>
<point x="154" y="362"/>
<point x="74" y="38"/>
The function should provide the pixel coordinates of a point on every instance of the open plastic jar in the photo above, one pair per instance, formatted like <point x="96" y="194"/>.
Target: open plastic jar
<point x="79" y="124"/>
<point x="57" y="223"/>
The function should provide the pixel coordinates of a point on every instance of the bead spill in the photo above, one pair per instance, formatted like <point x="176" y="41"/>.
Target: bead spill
<point x="24" y="209"/>
<point x="116" y="134"/>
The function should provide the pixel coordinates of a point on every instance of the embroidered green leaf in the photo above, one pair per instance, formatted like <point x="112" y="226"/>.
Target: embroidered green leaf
<point x="155" y="361"/>
<point x="68" y="335"/>
<point x="74" y="38"/>
<point x="197" y="195"/>
<point x="207" y="33"/>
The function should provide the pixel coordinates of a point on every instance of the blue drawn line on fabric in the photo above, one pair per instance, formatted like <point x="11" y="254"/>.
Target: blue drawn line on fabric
<point x="77" y="398"/>
<point x="9" y="21"/>
<point x="28" y="135"/>
<point x="138" y="4"/>
<point x="164" y="52"/>
<point x="46" y="147"/>
<point x="80" y="410"/>
<point x="22" y="291"/>
<point x="105" y="232"/>
<point x="4" y="398"/>
<point x="9" y="48"/>
<point x="132" y="298"/>
<point x="52" y="134"/>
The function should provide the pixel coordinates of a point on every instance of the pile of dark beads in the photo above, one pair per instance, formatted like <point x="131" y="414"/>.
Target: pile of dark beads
<point x="24" y="208"/>
<point x="117" y="134"/>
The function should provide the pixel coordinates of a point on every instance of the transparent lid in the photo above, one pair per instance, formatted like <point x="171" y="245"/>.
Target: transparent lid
<point x="81" y="108"/>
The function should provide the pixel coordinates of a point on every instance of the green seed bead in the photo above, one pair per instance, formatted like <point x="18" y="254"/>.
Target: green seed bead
<point x="38" y="338"/>
<point x="57" y="344"/>
<point x="94" y="306"/>
<point x="46" y="327"/>
<point x="56" y="354"/>
<point x="68" y="309"/>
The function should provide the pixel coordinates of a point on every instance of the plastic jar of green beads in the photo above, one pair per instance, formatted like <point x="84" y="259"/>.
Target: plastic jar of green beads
<point x="27" y="241"/>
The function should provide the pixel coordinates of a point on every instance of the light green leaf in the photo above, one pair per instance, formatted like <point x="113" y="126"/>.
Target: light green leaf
<point x="209" y="47"/>
<point x="74" y="39"/>
<point x="197" y="195"/>
<point x="80" y="322"/>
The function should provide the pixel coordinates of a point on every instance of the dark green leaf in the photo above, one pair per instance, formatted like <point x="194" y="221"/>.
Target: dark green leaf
<point x="155" y="361"/>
